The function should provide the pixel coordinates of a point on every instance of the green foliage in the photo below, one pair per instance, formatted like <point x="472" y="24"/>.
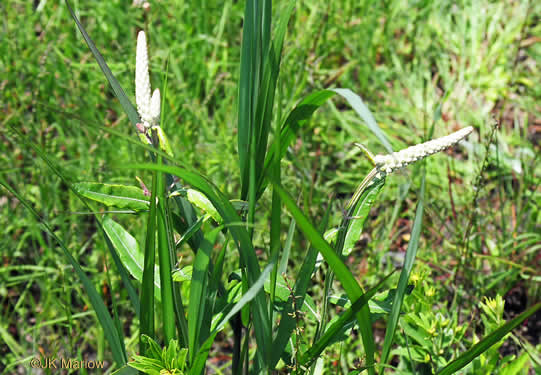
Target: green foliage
<point x="170" y="360"/>
<point x="118" y="196"/>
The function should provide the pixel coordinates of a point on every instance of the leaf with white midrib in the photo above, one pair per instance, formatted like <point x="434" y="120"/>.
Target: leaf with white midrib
<point x="129" y="252"/>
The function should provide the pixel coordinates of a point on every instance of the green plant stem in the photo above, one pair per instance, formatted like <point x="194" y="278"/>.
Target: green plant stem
<point x="164" y="256"/>
<point x="147" y="284"/>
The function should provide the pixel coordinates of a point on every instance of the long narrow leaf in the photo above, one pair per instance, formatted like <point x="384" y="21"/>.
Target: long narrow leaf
<point x="346" y="317"/>
<point x="265" y="101"/>
<point x="119" y="92"/>
<point x="128" y="250"/>
<point x="249" y="295"/>
<point x="199" y="293"/>
<point x="132" y="293"/>
<point x="483" y="345"/>
<point x="344" y="275"/>
<point x="149" y="274"/>
<point x="409" y="260"/>
<point x="247" y="90"/>
<point x="168" y="311"/>
<point x="364" y="113"/>
<point x="110" y="332"/>
<point x="114" y="195"/>
<point x="239" y="233"/>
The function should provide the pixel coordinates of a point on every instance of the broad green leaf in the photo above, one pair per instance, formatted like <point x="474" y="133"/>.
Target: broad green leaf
<point x="146" y="365"/>
<point x="517" y="366"/>
<point x="183" y="274"/>
<point x="111" y="195"/>
<point x="199" y="200"/>
<point x="358" y="217"/>
<point x="129" y="252"/>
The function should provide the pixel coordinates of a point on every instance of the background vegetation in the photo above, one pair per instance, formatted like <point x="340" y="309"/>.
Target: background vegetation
<point x="415" y="63"/>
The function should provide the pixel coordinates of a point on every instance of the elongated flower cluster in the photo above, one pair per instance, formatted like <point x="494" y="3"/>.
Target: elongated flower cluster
<point x="147" y="106"/>
<point x="391" y="162"/>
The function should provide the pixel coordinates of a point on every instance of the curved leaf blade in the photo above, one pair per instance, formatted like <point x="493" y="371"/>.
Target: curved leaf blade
<point x="117" y="89"/>
<point x="111" y="334"/>
<point x="343" y="274"/>
<point x="129" y="252"/>
<point x="483" y="345"/>
<point x="409" y="260"/>
<point x="113" y="195"/>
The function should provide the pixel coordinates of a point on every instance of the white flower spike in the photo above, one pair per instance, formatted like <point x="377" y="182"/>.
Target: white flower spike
<point x="389" y="163"/>
<point x="155" y="108"/>
<point x="142" y="81"/>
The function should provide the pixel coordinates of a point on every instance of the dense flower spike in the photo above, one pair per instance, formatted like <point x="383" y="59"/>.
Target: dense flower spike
<point x="142" y="81"/>
<point x="389" y="163"/>
<point x="155" y="108"/>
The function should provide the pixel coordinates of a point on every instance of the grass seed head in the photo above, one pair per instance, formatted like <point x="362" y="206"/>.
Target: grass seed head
<point x="391" y="162"/>
<point x="155" y="108"/>
<point x="142" y="81"/>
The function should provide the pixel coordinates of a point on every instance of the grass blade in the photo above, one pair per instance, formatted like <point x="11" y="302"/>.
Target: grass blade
<point x="117" y="89"/>
<point x="114" y="338"/>
<point x="364" y="113"/>
<point x="411" y="252"/>
<point x="479" y="348"/>
<point x="347" y="316"/>
<point x="265" y="101"/>
<point x="238" y="231"/>
<point x="247" y="91"/>
<point x="199" y="293"/>
<point x="249" y="295"/>
<point x="287" y="320"/>
<point x="164" y="258"/>
<point x="344" y="275"/>
<point x="149" y="264"/>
